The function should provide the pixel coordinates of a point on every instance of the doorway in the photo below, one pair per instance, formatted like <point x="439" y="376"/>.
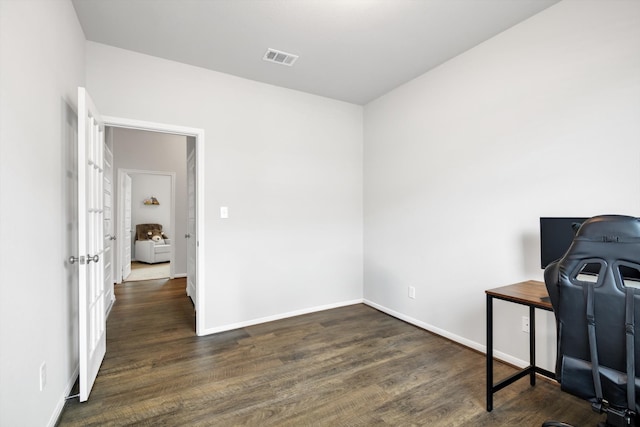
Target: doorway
<point x="149" y="197"/>
<point x="194" y="246"/>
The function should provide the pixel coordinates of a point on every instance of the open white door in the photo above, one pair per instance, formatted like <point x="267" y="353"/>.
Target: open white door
<point x="91" y="299"/>
<point x="109" y="236"/>
<point x="191" y="225"/>
<point x="126" y="234"/>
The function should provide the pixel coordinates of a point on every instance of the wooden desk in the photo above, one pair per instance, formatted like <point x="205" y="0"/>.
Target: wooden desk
<point x="534" y="295"/>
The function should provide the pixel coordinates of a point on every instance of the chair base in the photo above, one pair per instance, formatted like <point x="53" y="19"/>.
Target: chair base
<point x="614" y="418"/>
<point x="618" y="419"/>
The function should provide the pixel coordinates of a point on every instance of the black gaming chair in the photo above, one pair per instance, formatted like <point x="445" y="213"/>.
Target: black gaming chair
<point x="596" y="316"/>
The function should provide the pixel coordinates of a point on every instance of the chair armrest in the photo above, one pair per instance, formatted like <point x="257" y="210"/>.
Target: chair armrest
<point x="145" y="250"/>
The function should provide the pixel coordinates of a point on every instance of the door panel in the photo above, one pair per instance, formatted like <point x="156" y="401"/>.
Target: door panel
<point x="108" y="228"/>
<point x="126" y="247"/>
<point x="91" y="292"/>
<point x="191" y="226"/>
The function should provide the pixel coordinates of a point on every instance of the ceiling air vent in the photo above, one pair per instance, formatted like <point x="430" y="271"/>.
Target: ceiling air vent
<point x="280" y="57"/>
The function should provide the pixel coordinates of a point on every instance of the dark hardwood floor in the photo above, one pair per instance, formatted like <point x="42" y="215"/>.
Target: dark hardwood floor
<point x="351" y="366"/>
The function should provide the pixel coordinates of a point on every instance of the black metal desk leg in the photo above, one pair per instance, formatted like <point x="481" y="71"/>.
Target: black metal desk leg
<point x="489" y="353"/>
<point x="532" y="344"/>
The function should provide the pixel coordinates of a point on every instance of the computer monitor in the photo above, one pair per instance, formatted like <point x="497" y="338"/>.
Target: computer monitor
<point x="556" y="235"/>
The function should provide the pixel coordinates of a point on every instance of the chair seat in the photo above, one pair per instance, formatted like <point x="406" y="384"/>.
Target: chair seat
<point x="151" y="252"/>
<point x="161" y="249"/>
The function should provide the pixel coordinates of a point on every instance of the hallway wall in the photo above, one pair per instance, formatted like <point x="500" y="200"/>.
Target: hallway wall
<point x="41" y="66"/>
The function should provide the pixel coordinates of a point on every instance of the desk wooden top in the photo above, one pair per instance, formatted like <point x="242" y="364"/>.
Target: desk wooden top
<point x="531" y="292"/>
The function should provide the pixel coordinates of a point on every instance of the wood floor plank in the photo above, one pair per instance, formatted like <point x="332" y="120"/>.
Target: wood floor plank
<point x="351" y="366"/>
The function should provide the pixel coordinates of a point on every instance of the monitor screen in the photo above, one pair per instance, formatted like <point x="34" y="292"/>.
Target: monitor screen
<point x="556" y="235"/>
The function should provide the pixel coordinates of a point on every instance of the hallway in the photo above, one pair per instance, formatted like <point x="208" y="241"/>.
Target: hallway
<point x="141" y="271"/>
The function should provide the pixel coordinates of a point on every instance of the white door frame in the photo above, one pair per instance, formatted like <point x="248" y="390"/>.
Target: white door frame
<point x="124" y="192"/>
<point x="172" y="217"/>
<point x="198" y="134"/>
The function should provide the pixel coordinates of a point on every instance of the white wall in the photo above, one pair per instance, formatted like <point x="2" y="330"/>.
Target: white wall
<point x="143" y="186"/>
<point x="41" y="65"/>
<point x="460" y="163"/>
<point x="160" y="152"/>
<point x="287" y="164"/>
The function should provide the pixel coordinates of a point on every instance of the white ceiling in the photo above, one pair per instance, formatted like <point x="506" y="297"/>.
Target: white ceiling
<point x="351" y="50"/>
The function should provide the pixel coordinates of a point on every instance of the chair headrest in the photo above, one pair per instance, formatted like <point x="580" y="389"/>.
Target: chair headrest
<point x="610" y="229"/>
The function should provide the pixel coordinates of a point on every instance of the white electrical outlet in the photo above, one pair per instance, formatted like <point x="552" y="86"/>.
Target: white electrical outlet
<point x="43" y="375"/>
<point x="224" y="212"/>
<point x="412" y="292"/>
<point x="525" y="324"/>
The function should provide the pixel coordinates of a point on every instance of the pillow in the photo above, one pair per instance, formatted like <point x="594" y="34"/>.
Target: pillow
<point x="143" y="229"/>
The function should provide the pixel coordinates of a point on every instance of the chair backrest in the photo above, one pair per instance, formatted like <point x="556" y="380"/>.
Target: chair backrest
<point x="599" y="304"/>
<point x="142" y="229"/>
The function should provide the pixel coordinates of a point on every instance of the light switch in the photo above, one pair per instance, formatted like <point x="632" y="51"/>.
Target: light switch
<point x="224" y="212"/>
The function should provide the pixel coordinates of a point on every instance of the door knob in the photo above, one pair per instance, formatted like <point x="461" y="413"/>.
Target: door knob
<point x="94" y="258"/>
<point x="73" y="259"/>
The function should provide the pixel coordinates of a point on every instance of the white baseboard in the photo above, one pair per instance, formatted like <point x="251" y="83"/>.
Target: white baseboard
<point x="58" y="410"/>
<point x="453" y="337"/>
<point x="191" y="290"/>
<point x="251" y="322"/>
<point x="179" y="276"/>
<point x="113" y="300"/>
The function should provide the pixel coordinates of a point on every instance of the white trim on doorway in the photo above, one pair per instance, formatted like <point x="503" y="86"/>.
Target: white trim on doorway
<point x="198" y="134"/>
